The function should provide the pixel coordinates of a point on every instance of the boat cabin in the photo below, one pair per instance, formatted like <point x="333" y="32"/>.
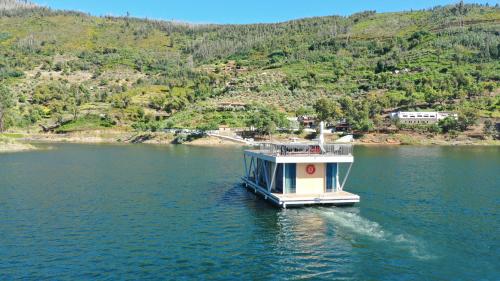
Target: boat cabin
<point x="298" y="174"/>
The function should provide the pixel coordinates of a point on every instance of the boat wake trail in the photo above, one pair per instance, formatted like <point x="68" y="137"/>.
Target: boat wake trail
<point x="354" y="223"/>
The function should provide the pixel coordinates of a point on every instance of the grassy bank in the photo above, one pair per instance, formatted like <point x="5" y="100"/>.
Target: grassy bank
<point x="11" y="143"/>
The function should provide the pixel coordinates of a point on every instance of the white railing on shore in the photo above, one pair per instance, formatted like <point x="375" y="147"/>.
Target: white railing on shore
<point x="306" y="149"/>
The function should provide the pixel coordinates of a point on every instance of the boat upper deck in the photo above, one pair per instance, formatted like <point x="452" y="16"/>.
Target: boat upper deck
<point x="303" y="152"/>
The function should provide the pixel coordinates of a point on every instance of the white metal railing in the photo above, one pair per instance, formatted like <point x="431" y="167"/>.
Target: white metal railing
<point x="306" y="149"/>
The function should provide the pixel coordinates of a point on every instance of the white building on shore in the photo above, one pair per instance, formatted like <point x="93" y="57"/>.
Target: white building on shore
<point x="420" y="117"/>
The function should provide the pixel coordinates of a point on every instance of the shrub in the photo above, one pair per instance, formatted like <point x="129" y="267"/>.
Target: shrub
<point x="448" y="124"/>
<point x="434" y="128"/>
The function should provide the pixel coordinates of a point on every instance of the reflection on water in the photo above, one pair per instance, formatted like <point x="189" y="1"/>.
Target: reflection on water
<point x="309" y="246"/>
<point x="178" y="212"/>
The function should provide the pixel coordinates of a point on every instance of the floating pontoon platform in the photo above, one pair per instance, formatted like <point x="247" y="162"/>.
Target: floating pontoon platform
<point x="299" y="174"/>
<point x="338" y="198"/>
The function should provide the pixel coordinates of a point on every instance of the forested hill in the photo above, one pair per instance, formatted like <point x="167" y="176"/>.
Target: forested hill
<point x="63" y="67"/>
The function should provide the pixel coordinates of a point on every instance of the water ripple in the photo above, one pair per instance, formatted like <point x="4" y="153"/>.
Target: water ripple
<point x="177" y="213"/>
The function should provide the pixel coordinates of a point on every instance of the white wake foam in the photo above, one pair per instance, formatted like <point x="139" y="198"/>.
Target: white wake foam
<point x="354" y="223"/>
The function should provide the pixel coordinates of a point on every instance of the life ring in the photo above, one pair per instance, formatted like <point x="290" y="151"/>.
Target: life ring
<point x="310" y="169"/>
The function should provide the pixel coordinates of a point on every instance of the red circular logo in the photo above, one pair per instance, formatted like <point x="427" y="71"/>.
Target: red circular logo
<point x="310" y="169"/>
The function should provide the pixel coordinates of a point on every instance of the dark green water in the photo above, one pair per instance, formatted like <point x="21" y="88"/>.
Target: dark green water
<point x="108" y="212"/>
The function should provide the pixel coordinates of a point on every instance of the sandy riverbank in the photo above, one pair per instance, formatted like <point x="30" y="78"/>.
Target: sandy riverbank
<point x="421" y="139"/>
<point x="118" y="136"/>
<point x="80" y="137"/>
<point x="96" y="137"/>
<point x="213" y="141"/>
<point x="7" y="146"/>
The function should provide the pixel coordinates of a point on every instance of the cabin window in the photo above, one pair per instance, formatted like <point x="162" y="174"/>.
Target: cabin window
<point x="290" y="177"/>
<point x="331" y="177"/>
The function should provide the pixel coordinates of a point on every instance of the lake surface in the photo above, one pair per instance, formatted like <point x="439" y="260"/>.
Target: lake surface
<point x="141" y="212"/>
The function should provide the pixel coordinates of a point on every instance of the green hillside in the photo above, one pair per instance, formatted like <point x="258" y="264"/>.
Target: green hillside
<point x="84" y="72"/>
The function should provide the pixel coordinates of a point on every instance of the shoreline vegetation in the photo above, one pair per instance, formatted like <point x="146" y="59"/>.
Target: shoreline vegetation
<point x="17" y="142"/>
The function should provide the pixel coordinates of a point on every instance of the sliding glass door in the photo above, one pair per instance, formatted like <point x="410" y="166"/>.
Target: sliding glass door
<point x="331" y="177"/>
<point x="279" y="179"/>
<point x="290" y="177"/>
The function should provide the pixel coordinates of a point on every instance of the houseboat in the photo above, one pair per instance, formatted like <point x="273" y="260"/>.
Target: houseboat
<point x="299" y="174"/>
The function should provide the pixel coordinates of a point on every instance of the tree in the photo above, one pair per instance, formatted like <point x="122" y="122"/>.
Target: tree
<point x="489" y="127"/>
<point x="175" y="103"/>
<point x="378" y="122"/>
<point x="266" y="120"/>
<point x="431" y="96"/>
<point x="121" y="101"/>
<point x="293" y="83"/>
<point x="6" y="103"/>
<point x="490" y="87"/>
<point x="327" y="110"/>
<point x="357" y="114"/>
<point x="448" y="124"/>
<point x="73" y="109"/>
<point x="467" y="117"/>
<point x="158" y="102"/>
<point x="269" y="128"/>
<point x="303" y="111"/>
<point x="34" y="114"/>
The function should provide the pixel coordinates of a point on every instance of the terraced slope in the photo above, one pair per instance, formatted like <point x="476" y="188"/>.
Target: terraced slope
<point x="62" y="67"/>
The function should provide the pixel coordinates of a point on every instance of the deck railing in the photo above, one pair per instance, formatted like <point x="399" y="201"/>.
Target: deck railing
<point x="306" y="149"/>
